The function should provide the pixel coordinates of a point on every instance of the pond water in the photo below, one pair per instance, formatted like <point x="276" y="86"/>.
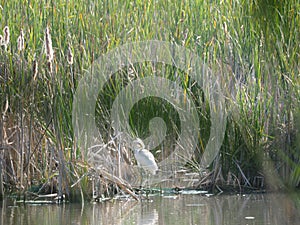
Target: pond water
<point x="253" y="209"/>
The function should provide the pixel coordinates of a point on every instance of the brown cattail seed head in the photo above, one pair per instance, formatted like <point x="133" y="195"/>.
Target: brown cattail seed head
<point x="70" y="55"/>
<point x="21" y="44"/>
<point x="49" y="64"/>
<point x="48" y="45"/>
<point x="6" y="35"/>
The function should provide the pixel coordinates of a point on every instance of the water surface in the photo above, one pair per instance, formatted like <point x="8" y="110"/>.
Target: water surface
<point x="255" y="209"/>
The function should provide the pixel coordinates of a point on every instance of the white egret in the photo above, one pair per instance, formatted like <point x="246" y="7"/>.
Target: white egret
<point x="144" y="157"/>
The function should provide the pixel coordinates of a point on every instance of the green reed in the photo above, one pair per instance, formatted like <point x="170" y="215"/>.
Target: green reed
<point x="254" y="42"/>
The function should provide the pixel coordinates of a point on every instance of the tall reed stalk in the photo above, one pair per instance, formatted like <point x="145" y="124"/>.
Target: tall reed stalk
<point x="47" y="47"/>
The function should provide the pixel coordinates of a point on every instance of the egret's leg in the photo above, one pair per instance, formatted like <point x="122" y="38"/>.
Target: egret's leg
<point x="147" y="180"/>
<point x="141" y="176"/>
<point x="143" y="173"/>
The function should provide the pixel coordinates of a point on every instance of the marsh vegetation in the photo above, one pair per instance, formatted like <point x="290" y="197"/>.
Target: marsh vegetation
<point x="47" y="47"/>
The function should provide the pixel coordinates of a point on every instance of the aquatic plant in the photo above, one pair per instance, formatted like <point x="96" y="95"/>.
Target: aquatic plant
<point x="253" y="45"/>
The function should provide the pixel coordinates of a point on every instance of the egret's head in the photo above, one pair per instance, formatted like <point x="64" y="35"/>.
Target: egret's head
<point x="138" y="144"/>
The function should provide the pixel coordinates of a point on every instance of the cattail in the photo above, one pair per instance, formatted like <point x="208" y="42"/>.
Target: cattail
<point x="1" y="40"/>
<point x="5" y="39"/>
<point x="48" y="45"/>
<point x="21" y="45"/>
<point x="49" y="64"/>
<point x="34" y="69"/>
<point x="6" y="35"/>
<point x="70" y="55"/>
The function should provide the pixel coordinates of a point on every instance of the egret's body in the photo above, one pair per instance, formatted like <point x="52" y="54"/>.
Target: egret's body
<point x="144" y="157"/>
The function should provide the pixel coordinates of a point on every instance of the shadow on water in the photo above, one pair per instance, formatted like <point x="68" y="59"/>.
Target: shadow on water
<point x="256" y="209"/>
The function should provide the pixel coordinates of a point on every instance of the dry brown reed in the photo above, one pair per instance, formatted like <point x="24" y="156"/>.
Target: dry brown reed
<point x="49" y="49"/>
<point x="34" y="69"/>
<point x="70" y="55"/>
<point x="48" y="45"/>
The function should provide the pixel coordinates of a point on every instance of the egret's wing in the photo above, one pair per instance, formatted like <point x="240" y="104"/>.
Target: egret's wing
<point x="146" y="160"/>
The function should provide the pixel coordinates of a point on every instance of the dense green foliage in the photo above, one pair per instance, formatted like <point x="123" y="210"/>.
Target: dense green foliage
<point x="256" y="43"/>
